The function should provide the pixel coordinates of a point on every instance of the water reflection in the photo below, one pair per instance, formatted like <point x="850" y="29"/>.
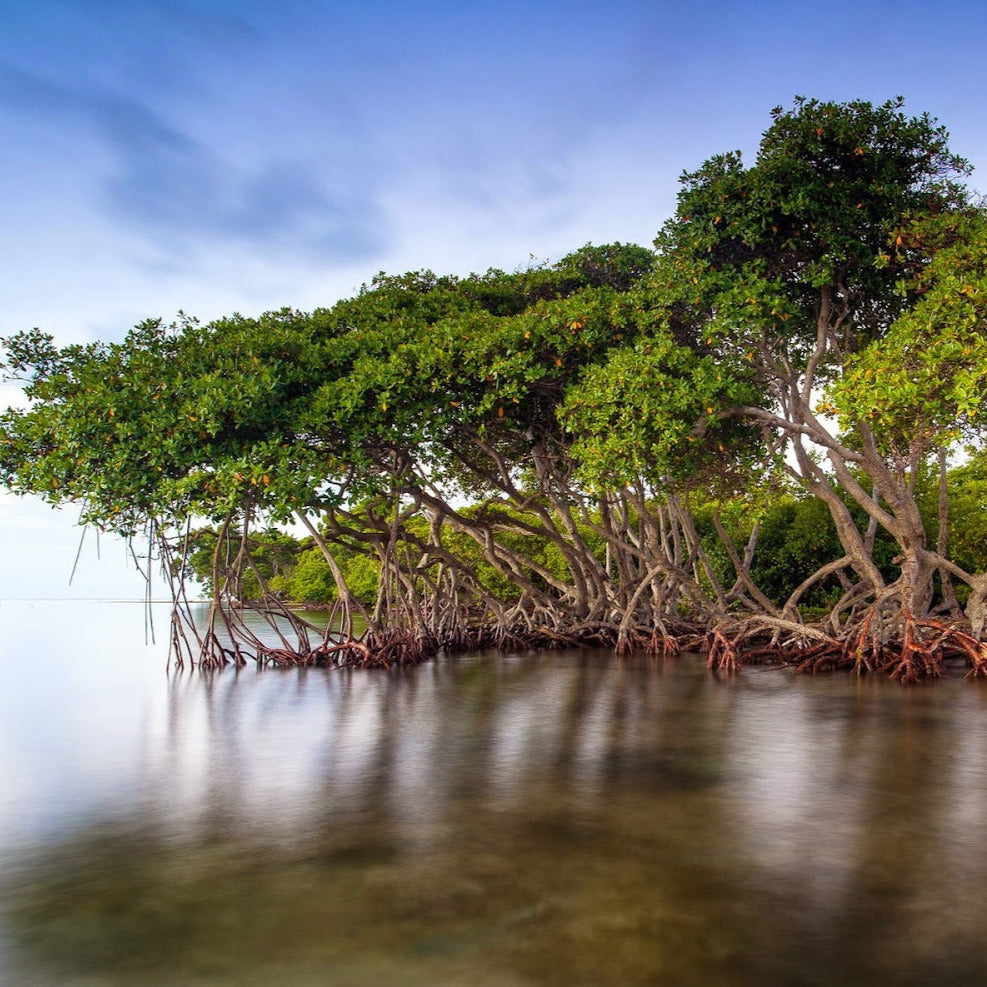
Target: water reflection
<point x="528" y="819"/>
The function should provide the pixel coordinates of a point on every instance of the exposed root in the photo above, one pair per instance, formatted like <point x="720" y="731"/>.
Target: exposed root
<point x="902" y="647"/>
<point x="658" y="643"/>
<point x="768" y="641"/>
<point x="885" y="641"/>
<point x="629" y="641"/>
<point x="949" y="642"/>
<point x="823" y="656"/>
<point x="721" y="652"/>
<point x="663" y="645"/>
<point x="916" y="658"/>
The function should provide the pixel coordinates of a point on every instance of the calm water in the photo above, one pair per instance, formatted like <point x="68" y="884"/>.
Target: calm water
<point x="491" y="820"/>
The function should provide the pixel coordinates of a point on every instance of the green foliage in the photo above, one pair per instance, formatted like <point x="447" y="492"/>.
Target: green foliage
<point x="311" y="580"/>
<point x="749" y="248"/>
<point x="967" y="485"/>
<point x="734" y="300"/>
<point x="175" y="421"/>
<point x="362" y="575"/>
<point x="795" y="539"/>
<point x="921" y="385"/>
<point x="658" y="410"/>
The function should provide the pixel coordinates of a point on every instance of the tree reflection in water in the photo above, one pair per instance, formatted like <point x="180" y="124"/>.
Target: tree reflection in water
<point x="539" y="819"/>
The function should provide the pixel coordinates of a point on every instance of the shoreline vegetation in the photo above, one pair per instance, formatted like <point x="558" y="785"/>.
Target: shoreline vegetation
<point x="761" y="440"/>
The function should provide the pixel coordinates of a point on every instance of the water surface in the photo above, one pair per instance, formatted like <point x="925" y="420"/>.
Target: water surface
<point x="547" y="818"/>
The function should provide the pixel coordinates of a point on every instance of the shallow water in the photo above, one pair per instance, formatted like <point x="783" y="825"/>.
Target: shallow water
<point x="550" y="818"/>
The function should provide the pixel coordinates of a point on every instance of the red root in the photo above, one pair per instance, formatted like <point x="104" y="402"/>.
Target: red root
<point x="917" y="650"/>
<point x="721" y="654"/>
<point x="664" y="646"/>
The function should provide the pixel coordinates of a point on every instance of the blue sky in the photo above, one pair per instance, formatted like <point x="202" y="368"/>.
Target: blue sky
<point x="218" y="156"/>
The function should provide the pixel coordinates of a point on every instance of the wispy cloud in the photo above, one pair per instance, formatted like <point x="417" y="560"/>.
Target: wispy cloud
<point x="173" y="187"/>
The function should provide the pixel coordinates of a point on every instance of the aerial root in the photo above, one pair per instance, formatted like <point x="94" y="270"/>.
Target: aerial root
<point x="663" y="645"/>
<point x="657" y="643"/>
<point x="371" y="652"/>
<point x="752" y="644"/>
<point x="824" y="656"/>
<point x="885" y="641"/>
<point x="721" y="652"/>
<point x="917" y="659"/>
<point x="628" y="641"/>
<point x="909" y="650"/>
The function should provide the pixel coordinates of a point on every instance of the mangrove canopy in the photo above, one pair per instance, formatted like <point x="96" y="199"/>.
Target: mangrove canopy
<point x="761" y="439"/>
